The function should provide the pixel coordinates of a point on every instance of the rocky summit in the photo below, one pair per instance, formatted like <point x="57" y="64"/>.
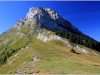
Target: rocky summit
<point x="49" y="19"/>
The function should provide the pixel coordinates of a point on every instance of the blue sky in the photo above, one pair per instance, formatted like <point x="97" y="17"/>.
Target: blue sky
<point x="85" y="15"/>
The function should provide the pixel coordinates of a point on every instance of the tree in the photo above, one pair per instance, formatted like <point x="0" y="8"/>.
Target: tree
<point x="91" y="44"/>
<point x="98" y="47"/>
<point x="71" y="38"/>
<point x="78" y="41"/>
<point x="81" y="40"/>
<point x="86" y="43"/>
<point x="72" y="50"/>
<point x="5" y="59"/>
<point x="67" y="35"/>
<point x="8" y="54"/>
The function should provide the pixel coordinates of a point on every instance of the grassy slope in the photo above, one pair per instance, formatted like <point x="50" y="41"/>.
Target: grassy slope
<point x="55" y="58"/>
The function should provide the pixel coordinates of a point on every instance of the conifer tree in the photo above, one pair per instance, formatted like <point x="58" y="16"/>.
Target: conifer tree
<point x="5" y="59"/>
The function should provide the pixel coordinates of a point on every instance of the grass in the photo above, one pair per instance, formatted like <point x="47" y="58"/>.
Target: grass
<point x="55" y="57"/>
<point x="65" y="62"/>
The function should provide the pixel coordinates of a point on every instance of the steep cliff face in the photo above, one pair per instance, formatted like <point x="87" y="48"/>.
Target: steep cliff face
<point x="47" y="18"/>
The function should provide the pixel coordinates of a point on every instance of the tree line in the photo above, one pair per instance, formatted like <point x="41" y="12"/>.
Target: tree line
<point x="79" y="39"/>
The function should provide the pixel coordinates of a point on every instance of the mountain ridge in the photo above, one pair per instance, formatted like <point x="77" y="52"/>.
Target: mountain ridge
<point x="41" y="17"/>
<point x="49" y="19"/>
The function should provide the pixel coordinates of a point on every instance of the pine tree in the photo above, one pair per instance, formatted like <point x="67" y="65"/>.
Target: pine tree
<point x="67" y="35"/>
<point x="98" y="47"/>
<point x="86" y="43"/>
<point x="71" y="38"/>
<point x="78" y="41"/>
<point x="91" y="44"/>
<point x="5" y="59"/>
<point x="81" y="40"/>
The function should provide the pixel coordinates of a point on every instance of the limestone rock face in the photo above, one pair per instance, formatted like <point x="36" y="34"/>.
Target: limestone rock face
<point x="20" y="23"/>
<point x="41" y="17"/>
<point x="49" y="19"/>
<point x="45" y="37"/>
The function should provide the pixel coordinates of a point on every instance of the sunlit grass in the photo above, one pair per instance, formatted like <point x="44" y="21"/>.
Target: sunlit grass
<point x="55" y="58"/>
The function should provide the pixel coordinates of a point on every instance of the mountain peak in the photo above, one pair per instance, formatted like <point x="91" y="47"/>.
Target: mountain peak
<point x="48" y="19"/>
<point x="41" y="12"/>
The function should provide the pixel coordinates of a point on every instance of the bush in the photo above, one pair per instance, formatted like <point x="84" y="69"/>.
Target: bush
<point x="72" y="50"/>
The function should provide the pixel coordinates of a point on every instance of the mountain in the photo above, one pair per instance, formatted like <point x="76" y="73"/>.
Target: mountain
<point x="44" y="36"/>
<point x="39" y="18"/>
<point x="49" y="19"/>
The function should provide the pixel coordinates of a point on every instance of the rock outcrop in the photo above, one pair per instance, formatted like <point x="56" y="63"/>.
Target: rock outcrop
<point x="47" y="37"/>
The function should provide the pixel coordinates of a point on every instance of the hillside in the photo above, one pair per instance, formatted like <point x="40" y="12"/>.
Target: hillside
<point x="41" y="43"/>
<point x="54" y="57"/>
